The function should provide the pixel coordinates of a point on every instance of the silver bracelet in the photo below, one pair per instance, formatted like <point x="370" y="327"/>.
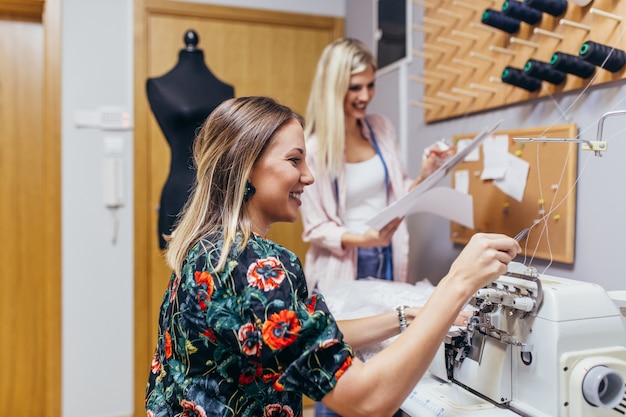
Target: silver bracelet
<point x="401" y="317"/>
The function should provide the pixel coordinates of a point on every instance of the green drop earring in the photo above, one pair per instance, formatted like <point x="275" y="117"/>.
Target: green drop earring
<point x="249" y="192"/>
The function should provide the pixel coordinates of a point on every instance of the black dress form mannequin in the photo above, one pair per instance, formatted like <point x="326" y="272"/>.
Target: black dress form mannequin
<point x="181" y="100"/>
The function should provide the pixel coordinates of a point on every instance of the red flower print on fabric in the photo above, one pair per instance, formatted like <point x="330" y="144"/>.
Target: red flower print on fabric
<point x="192" y="409"/>
<point x="174" y="288"/>
<point x="281" y="329"/>
<point x="209" y="334"/>
<point x="328" y="343"/>
<point x="311" y="306"/>
<point x="278" y="410"/>
<point x="269" y="377"/>
<point x="278" y="386"/>
<point x="155" y="368"/>
<point x="168" y="345"/>
<point x="344" y="367"/>
<point x="250" y="373"/>
<point x="272" y="379"/>
<point x="250" y="338"/>
<point x="266" y="274"/>
<point x="204" y="278"/>
<point x="203" y="305"/>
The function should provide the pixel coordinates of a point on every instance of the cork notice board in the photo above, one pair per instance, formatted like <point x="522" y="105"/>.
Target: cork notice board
<point x="548" y="201"/>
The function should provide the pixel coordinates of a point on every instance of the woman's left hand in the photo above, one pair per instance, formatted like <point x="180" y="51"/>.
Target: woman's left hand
<point x="434" y="157"/>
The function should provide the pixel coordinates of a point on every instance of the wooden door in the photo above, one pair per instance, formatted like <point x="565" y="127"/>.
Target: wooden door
<point x="30" y="271"/>
<point x="257" y="52"/>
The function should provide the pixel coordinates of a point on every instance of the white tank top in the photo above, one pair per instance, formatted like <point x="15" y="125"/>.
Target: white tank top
<point x="366" y="192"/>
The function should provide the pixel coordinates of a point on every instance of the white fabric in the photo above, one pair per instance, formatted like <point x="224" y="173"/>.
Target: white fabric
<point x="366" y="193"/>
<point x="368" y="297"/>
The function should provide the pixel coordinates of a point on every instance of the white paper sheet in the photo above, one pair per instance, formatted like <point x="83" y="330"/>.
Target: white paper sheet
<point x="451" y="205"/>
<point x="443" y="201"/>
<point x="462" y="181"/>
<point x="448" y="203"/>
<point x="473" y="155"/>
<point x="514" y="182"/>
<point x="495" y="157"/>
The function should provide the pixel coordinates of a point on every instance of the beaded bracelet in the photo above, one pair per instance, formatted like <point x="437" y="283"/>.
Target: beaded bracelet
<point x="401" y="317"/>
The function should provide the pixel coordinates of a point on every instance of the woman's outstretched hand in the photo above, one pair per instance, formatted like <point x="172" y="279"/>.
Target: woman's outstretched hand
<point x="483" y="260"/>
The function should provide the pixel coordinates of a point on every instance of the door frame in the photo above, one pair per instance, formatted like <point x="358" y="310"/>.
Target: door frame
<point x="51" y="236"/>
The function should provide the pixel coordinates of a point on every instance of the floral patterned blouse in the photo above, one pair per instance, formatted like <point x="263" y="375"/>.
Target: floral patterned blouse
<point x="247" y="341"/>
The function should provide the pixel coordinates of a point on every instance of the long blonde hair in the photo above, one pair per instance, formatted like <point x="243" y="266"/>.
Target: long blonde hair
<point x="229" y="143"/>
<point x="325" y="113"/>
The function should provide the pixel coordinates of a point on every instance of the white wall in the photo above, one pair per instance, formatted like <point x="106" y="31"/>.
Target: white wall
<point x="97" y="281"/>
<point x="97" y="322"/>
<point x="600" y="199"/>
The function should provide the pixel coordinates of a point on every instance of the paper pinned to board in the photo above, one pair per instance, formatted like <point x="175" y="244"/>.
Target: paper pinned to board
<point x="514" y="182"/>
<point x="496" y="160"/>
<point x="438" y="202"/>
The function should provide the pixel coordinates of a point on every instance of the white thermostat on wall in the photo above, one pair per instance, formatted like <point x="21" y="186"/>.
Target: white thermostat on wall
<point x="103" y="118"/>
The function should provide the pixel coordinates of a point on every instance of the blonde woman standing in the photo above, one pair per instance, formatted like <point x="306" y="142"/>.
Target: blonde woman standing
<point x="356" y="160"/>
<point x="357" y="163"/>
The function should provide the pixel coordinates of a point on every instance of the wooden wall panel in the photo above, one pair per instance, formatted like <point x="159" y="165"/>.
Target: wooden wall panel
<point x="464" y="58"/>
<point x="30" y="257"/>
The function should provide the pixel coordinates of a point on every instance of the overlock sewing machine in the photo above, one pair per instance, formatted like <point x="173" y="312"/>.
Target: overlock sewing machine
<point x="536" y="346"/>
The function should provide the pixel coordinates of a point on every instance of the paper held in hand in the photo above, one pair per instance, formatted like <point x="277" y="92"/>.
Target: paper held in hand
<point x="443" y="201"/>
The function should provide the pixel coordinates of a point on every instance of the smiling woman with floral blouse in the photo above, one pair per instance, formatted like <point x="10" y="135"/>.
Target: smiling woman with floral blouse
<point x="238" y="333"/>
